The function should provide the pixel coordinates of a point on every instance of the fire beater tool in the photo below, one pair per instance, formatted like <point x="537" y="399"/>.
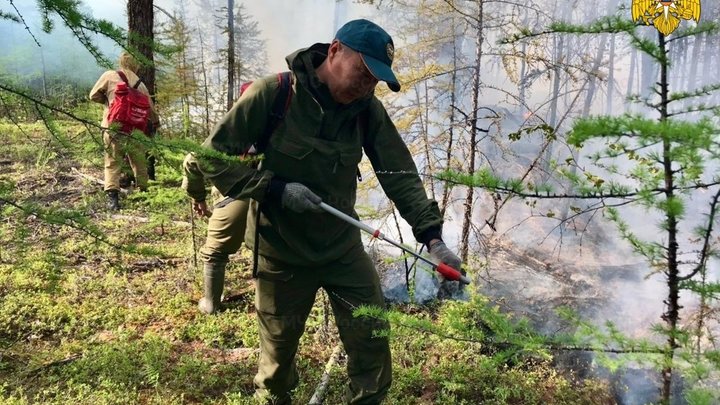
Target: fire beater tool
<point x="448" y="272"/>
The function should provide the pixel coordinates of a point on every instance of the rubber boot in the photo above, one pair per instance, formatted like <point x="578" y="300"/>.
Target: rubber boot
<point x="214" y="277"/>
<point x="113" y="200"/>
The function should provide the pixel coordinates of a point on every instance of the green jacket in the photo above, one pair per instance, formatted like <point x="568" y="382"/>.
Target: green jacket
<point x="318" y="144"/>
<point x="193" y="180"/>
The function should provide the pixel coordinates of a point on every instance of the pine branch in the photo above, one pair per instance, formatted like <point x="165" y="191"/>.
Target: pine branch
<point x="704" y="256"/>
<point x="51" y="127"/>
<point x="605" y="25"/>
<point x="637" y="98"/>
<point x="11" y="116"/>
<point x="525" y="340"/>
<point x="705" y="27"/>
<point x="467" y="16"/>
<point x="19" y="18"/>
<point x="180" y="145"/>
<point x="8" y="16"/>
<point x="646" y="130"/>
<point x="484" y="179"/>
<point x="706" y="90"/>
<point x="603" y="350"/>
<point x="81" y="25"/>
<point x="64" y="218"/>
<point x="698" y="108"/>
<point x="37" y="102"/>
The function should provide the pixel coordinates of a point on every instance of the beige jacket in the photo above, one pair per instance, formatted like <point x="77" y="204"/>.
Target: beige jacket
<point x="104" y="92"/>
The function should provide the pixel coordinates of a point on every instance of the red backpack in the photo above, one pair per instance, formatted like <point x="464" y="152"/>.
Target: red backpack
<point x="130" y="109"/>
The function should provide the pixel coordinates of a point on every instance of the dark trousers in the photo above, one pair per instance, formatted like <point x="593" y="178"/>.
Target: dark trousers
<point x="284" y="297"/>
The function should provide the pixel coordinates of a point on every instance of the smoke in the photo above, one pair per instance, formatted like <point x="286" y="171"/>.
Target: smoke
<point x="289" y="26"/>
<point x="31" y="55"/>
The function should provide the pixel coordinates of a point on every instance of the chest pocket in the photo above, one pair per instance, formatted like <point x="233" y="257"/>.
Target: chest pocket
<point x="313" y="160"/>
<point x="294" y="149"/>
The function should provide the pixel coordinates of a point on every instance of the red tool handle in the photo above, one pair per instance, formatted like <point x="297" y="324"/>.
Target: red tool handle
<point x="451" y="274"/>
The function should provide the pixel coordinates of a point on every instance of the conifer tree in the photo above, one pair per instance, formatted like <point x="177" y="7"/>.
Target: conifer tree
<point x="663" y="162"/>
<point x="178" y="73"/>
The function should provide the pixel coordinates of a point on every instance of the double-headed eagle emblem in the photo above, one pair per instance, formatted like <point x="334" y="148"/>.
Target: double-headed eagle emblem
<point x="665" y="15"/>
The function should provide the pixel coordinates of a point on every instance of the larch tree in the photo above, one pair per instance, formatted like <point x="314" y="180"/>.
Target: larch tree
<point x="251" y="59"/>
<point x="178" y="73"/>
<point x="230" y="53"/>
<point x="664" y="165"/>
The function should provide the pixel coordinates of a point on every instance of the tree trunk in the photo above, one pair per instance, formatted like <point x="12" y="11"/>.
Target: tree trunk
<point x="692" y="79"/>
<point x="425" y="128"/>
<point x="402" y="241"/>
<point x="632" y="73"/>
<point x="185" y="99"/>
<point x="522" y="85"/>
<point x="557" y="79"/>
<point x="141" y="20"/>
<point x="467" y="220"/>
<point x="238" y="41"/>
<point x="141" y="37"/>
<point x="710" y="53"/>
<point x="44" y="73"/>
<point x="231" y="55"/>
<point x="206" y="86"/>
<point x="611" y="77"/>
<point x="671" y="315"/>
<point x="451" y="130"/>
<point x="593" y="78"/>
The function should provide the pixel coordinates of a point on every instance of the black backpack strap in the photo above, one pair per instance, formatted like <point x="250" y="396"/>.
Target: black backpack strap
<point x="279" y="108"/>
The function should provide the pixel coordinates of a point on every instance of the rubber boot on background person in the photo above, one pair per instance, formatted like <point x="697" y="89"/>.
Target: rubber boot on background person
<point x="113" y="200"/>
<point x="226" y="231"/>
<point x="214" y="280"/>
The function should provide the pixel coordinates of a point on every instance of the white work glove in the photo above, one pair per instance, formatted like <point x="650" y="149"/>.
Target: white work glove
<point x="440" y="252"/>
<point x="299" y="198"/>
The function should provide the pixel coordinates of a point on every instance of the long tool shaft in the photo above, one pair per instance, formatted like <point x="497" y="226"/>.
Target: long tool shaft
<point x="442" y="268"/>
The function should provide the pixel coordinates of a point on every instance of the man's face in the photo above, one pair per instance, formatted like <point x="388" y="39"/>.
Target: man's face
<point x="351" y="79"/>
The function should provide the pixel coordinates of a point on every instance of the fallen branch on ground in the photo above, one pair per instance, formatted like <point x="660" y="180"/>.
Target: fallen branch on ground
<point x="321" y="389"/>
<point x="144" y="220"/>
<point x="95" y="180"/>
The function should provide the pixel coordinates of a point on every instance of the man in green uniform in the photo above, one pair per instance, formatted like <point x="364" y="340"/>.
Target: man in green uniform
<point x="313" y="155"/>
<point x="226" y="231"/>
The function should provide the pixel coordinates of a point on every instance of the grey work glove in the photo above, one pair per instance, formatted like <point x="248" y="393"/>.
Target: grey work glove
<point x="440" y="252"/>
<point x="299" y="198"/>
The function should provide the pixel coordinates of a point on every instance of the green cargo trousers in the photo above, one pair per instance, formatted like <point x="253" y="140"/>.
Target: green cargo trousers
<point x="226" y="232"/>
<point x="284" y="297"/>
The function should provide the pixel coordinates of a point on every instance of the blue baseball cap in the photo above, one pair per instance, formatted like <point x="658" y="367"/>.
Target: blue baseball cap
<point x="375" y="47"/>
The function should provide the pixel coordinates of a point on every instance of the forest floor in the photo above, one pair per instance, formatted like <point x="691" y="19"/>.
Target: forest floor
<point x="101" y="308"/>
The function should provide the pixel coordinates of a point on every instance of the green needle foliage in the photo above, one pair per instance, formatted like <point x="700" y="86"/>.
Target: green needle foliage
<point x="83" y="26"/>
<point x="661" y="164"/>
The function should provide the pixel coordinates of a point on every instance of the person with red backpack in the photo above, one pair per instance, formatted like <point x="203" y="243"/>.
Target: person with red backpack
<point x="128" y="108"/>
<point x="312" y="157"/>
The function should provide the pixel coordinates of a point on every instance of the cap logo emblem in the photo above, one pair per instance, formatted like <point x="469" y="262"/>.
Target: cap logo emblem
<point x="390" y="51"/>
